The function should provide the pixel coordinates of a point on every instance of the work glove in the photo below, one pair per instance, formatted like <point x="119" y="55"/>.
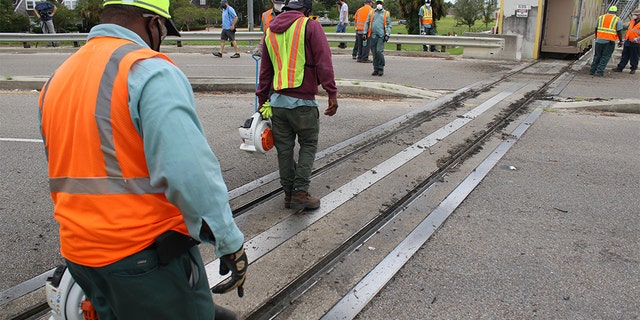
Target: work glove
<point x="265" y="110"/>
<point x="237" y="263"/>
<point x="258" y="51"/>
<point x="386" y="38"/>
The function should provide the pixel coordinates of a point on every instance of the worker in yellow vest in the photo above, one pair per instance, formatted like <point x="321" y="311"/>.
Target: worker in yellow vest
<point x="265" y="20"/>
<point x="361" y="48"/>
<point x="427" y="27"/>
<point x="296" y="60"/>
<point x="608" y="30"/>
<point x="377" y="30"/>
<point x="134" y="183"/>
<point x="631" y="48"/>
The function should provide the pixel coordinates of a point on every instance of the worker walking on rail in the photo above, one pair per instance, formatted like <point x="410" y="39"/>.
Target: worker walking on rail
<point x="297" y="59"/>
<point x="377" y="30"/>
<point x="608" y="30"/>
<point x="134" y="183"/>
<point x="425" y="16"/>
<point x="631" y="48"/>
<point x="361" y="48"/>
<point x="265" y="20"/>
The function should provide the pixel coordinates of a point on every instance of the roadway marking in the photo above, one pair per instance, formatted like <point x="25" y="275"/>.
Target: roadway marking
<point x="21" y="140"/>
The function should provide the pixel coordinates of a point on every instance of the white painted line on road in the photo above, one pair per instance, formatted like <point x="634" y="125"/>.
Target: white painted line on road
<point x="362" y="293"/>
<point x="21" y="140"/>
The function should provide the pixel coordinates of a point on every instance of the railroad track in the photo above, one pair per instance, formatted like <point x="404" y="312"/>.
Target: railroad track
<point x="378" y="189"/>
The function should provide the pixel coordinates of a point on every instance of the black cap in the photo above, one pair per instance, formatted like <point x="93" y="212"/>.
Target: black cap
<point x="298" y="4"/>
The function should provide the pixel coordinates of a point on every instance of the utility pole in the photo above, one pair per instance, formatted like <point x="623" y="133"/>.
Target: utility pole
<point x="250" y="14"/>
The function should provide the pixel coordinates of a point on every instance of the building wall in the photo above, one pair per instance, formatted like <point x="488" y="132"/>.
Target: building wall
<point x="512" y="22"/>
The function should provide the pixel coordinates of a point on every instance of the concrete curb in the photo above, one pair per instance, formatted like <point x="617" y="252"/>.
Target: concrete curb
<point x="621" y="106"/>
<point x="202" y="84"/>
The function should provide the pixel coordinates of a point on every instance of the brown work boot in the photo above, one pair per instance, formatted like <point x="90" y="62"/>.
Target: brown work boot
<point x="302" y="200"/>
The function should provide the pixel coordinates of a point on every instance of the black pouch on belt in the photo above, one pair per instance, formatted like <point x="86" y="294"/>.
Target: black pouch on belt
<point x="172" y="244"/>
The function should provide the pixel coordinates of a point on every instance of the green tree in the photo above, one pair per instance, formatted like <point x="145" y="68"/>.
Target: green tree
<point x="409" y="10"/>
<point x="90" y="12"/>
<point x="468" y="11"/>
<point x="10" y="21"/>
<point x="488" y="12"/>
<point x="65" y="20"/>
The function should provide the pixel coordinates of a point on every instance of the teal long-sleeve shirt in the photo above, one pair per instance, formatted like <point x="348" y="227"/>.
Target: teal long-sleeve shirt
<point x="378" y="28"/>
<point x="179" y="158"/>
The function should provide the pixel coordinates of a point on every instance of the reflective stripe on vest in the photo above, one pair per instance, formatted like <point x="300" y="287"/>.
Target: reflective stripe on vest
<point x="633" y="31"/>
<point x="267" y="16"/>
<point x="427" y="15"/>
<point x="288" y="60"/>
<point x="100" y="184"/>
<point x="384" y="21"/>
<point x="361" y="17"/>
<point x="607" y="27"/>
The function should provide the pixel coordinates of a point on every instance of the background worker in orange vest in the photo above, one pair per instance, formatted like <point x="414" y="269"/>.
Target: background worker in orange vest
<point x="361" y="48"/>
<point x="377" y="30"/>
<point x="608" y="31"/>
<point x="631" y="49"/>
<point x="296" y="59"/>
<point x="425" y="17"/>
<point x="265" y="19"/>
<point x="134" y="183"/>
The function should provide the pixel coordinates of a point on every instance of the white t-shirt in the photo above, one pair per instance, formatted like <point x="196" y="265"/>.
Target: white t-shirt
<point x="344" y="13"/>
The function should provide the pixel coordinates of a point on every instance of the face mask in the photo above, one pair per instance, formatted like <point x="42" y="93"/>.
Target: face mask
<point x="378" y="7"/>
<point x="278" y="6"/>
<point x="428" y="4"/>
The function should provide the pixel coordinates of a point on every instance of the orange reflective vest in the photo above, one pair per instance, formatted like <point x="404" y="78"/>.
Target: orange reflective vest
<point x="633" y="31"/>
<point x="99" y="181"/>
<point x="384" y="21"/>
<point x="287" y="55"/>
<point x="267" y="16"/>
<point x="360" y="17"/>
<point x="607" y="27"/>
<point x="427" y="15"/>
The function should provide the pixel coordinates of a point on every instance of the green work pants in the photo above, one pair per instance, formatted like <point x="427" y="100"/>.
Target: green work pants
<point x="377" y="50"/>
<point x="136" y="287"/>
<point x="288" y="124"/>
<point x="601" y="55"/>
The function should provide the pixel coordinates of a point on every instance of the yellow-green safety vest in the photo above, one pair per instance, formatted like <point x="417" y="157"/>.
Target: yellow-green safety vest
<point x="287" y="55"/>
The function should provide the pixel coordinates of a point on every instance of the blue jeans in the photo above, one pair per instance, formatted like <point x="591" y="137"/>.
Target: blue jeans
<point x="602" y="55"/>
<point x="342" y="28"/>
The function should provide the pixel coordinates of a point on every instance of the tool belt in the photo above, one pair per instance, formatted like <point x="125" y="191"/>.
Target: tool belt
<point x="171" y="245"/>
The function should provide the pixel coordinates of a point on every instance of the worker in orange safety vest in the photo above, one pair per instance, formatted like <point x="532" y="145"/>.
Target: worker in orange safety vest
<point x="361" y="48"/>
<point x="631" y="48"/>
<point x="134" y="183"/>
<point x="265" y="20"/>
<point x="427" y="27"/>
<point x="608" y="30"/>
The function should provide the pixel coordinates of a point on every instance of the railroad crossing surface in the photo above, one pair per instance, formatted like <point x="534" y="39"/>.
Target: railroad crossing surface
<point x="552" y="231"/>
